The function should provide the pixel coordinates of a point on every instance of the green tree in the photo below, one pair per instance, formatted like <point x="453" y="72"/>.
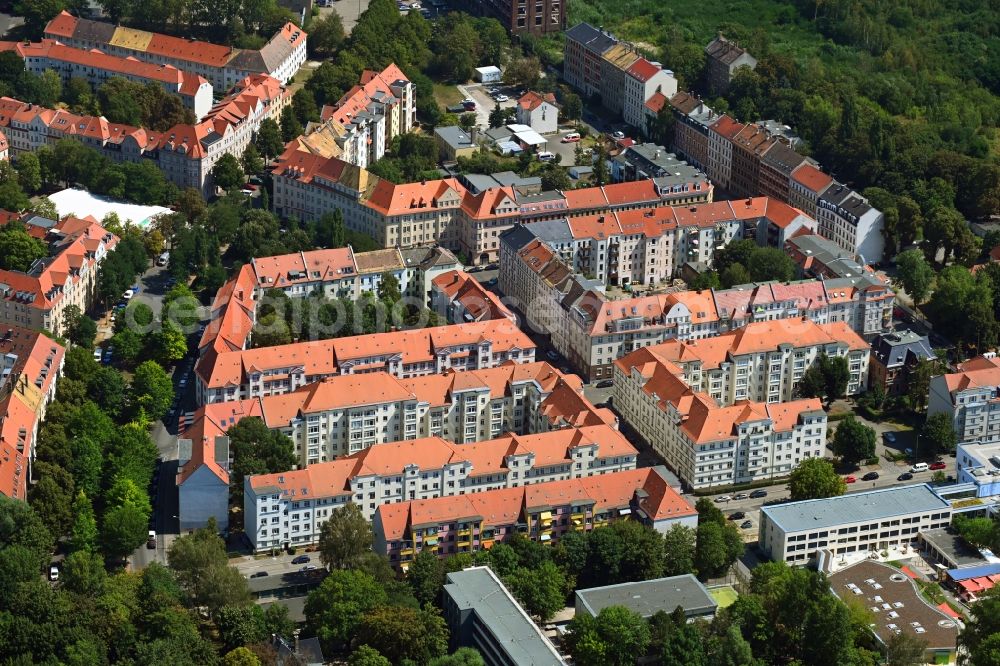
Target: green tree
<point x="29" y="173"/>
<point x="335" y="609"/>
<point x="202" y="568"/>
<point x="938" y="434"/>
<point x="367" y="656"/>
<point x="815" y="478"/>
<point x="326" y="35"/>
<point x="401" y="633"/>
<point x="37" y="13"/>
<point x="542" y="591"/>
<point x="268" y="139"/>
<point x="83" y="533"/>
<point x="915" y="275"/>
<point x="735" y="274"/>
<point x="128" y="346"/>
<point x="345" y="538"/>
<point x="572" y="106"/>
<point x="770" y="263"/>
<point x="241" y="625"/>
<point x="919" y="382"/>
<point x="616" y="637"/>
<point x="705" y="280"/>
<point x="717" y="546"/>
<point x="241" y="656"/>
<point x="854" y="441"/>
<point x="251" y="161"/>
<point x="678" y="550"/>
<point x="979" y="638"/>
<point x="83" y="573"/>
<point x="123" y="529"/>
<point x="52" y="497"/>
<point x="256" y="449"/>
<point x="151" y="390"/>
<point x="227" y="173"/>
<point x="18" y="250"/>
<point x="905" y="649"/>
<point x="425" y="576"/>
<point x="290" y="125"/>
<point x="169" y="344"/>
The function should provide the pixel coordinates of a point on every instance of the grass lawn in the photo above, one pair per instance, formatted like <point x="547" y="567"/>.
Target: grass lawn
<point x="724" y="595"/>
<point x="447" y="95"/>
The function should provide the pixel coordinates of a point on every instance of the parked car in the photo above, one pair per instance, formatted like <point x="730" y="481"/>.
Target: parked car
<point x="849" y="479"/>
<point x="301" y="559"/>
<point x="723" y="498"/>
<point x="938" y="465"/>
<point x="546" y="156"/>
<point x="551" y="355"/>
<point x="128" y="294"/>
<point x="746" y="524"/>
<point x="740" y="496"/>
<point x="889" y="437"/>
<point x="53" y="573"/>
<point x="97" y="354"/>
<point x="308" y="567"/>
<point x="502" y="98"/>
<point x="870" y="476"/>
<point x="259" y="574"/>
<point x="618" y="135"/>
<point x="905" y="476"/>
<point x="605" y="383"/>
<point x="572" y="137"/>
<point x="738" y="515"/>
<point x="757" y="494"/>
<point x="151" y="540"/>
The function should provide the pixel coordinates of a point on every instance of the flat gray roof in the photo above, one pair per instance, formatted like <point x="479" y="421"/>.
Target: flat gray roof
<point x="648" y="597"/>
<point x="479" y="589"/>
<point x="953" y="546"/>
<point x="854" y="508"/>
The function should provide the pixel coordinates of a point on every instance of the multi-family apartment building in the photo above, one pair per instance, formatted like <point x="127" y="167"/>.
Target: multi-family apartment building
<point x="223" y="66"/>
<point x="38" y="297"/>
<point x="185" y="153"/>
<point x="750" y="145"/>
<point x="591" y="329"/>
<point x="969" y="397"/>
<point x="643" y="79"/>
<point x="542" y="512"/>
<point x="764" y="361"/>
<point x="335" y="273"/>
<point x="722" y="59"/>
<point x="524" y="17"/>
<point x="96" y="68"/>
<point x="597" y="63"/>
<point x="460" y="298"/>
<point x="805" y="186"/>
<point x="289" y="508"/>
<point x="583" y="50"/>
<point x="367" y="117"/>
<point x="720" y="149"/>
<point x="645" y="161"/>
<point x="344" y="414"/>
<point x="446" y="212"/>
<point x="240" y="374"/>
<point x="847" y="218"/>
<point x="692" y="119"/>
<point x="29" y="369"/>
<point x="776" y="168"/>
<point x="710" y="442"/>
<point x="894" y="356"/>
<point x="856" y="523"/>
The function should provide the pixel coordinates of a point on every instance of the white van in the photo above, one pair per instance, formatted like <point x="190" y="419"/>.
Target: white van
<point x="164" y="258"/>
<point x="546" y="156"/>
<point x="919" y="467"/>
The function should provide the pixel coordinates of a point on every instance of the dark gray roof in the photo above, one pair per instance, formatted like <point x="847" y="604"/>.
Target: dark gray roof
<point x="94" y="31"/>
<point x="249" y="61"/>
<point x="427" y="257"/>
<point x="953" y="545"/>
<point x="517" y="237"/>
<point x="552" y="231"/>
<point x="872" y="505"/>
<point x="511" y="179"/>
<point x="723" y="50"/>
<point x="479" y="590"/>
<point x="591" y="38"/>
<point x="454" y="136"/>
<point x="782" y="158"/>
<point x="648" y="597"/>
<point x="896" y="348"/>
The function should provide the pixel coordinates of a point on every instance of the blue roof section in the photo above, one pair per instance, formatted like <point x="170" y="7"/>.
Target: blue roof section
<point x="854" y="508"/>
<point x="974" y="572"/>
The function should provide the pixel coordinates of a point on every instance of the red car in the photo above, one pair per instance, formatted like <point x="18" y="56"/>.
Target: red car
<point x="938" y="465"/>
<point x="849" y="479"/>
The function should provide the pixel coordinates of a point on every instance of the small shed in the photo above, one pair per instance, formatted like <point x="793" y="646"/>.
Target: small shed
<point x="488" y="74"/>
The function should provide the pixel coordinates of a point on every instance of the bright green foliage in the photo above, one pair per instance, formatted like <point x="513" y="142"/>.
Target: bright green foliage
<point x="815" y="478"/>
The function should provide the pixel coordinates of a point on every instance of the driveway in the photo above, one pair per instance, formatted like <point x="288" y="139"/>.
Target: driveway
<point x="484" y="102"/>
<point x="349" y="11"/>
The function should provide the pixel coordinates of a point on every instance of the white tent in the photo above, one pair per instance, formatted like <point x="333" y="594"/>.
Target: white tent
<point x="81" y="203"/>
<point x="489" y="74"/>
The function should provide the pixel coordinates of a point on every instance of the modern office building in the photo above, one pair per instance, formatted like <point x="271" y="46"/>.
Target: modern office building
<point x="649" y="597"/>
<point x="482" y="614"/>
<point x="875" y="520"/>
